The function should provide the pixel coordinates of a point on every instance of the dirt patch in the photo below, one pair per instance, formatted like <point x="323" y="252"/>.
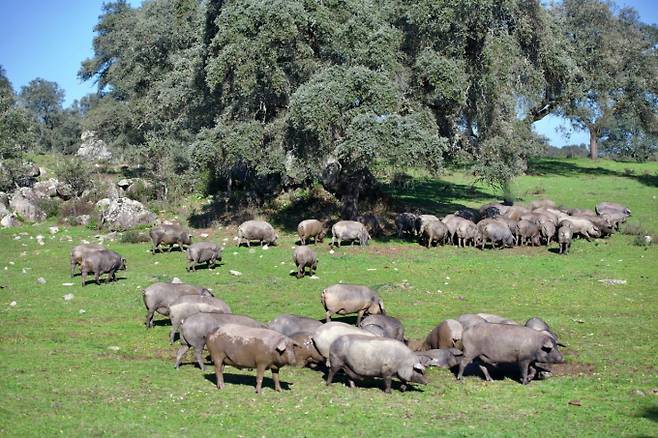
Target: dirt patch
<point x="572" y="369"/>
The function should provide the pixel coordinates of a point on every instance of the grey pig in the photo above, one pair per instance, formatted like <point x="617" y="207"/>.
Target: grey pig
<point x="304" y="257"/>
<point x="203" y="252"/>
<point x="102" y="262"/>
<point x="159" y="296"/>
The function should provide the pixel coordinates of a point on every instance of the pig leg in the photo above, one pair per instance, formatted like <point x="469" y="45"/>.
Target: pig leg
<point x="524" y="365"/>
<point x="462" y="365"/>
<point x="149" y="318"/>
<point x="73" y="266"/>
<point x="260" y="372"/>
<point x="179" y="355"/>
<point x="330" y="376"/>
<point x="175" y="324"/>
<point x="485" y="371"/>
<point x="275" y="377"/>
<point x="198" y="355"/>
<point x="300" y="271"/>
<point x="218" y="359"/>
<point x="387" y="384"/>
<point x="83" y="274"/>
<point x="327" y="317"/>
<point x="97" y="277"/>
<point x="359" y="317"/>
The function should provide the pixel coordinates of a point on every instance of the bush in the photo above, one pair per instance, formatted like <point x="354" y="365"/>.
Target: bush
<point x="644" y="240"/>
<point x="134" y="236"/>
<point x="76" y="173"/>
<point x="633" y="229"/>
<point x="50" y="206"/>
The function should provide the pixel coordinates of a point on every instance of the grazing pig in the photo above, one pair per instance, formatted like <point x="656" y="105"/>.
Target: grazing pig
<point x="495" y="319"/>
<point x="497" y="233"/>
<point x="372" y="224"/>
<point x="307" y="354"/>
<point x="79" y="252"/>
<point x="249" y="347"/>
<point x="469" y="214"/>
<point x="311" y="228"/>
<point x="452" y="222"/>
<point x="470" y="319"/>
<point x="351" y="298"/>
<point x="203" y="252"/>
<point x="564" y="236"/>
<point x="195" y="329"/>
<point x="435" y="231"/>
<point x="613" y="219"/>
<point x="423" y="220"/>
<point x="361" y="357"/>
<point x="540" y="325"/>
<point x="581" y="226"/>
<point x="448" y="334"/>
<point x="384" y="325"/>
<point x="405" y="223"/>
<point x="547" y="230"/>
<point x="528" y="233"/>
<point x="349" y="230"/>
<point x="515" y="212"/>
<point x="304" y="257"/>
<point x="612" y="207"/>
<point x="101" y="262"/>
<point x="169" y="234"/>
<point x="327" y="333"/>
<point x="256" y="230"/>
<point x="580" y="212"/>
<point x="493" y="209"/>
<point x="467" y="234"/>
<point x="159" y="296"/>
<point x="188" y="305"/>
<point x="289" y="324"/>
<point x="502" y="343"/>
<point x="603" y="224"/>
<point x="440" y="357"/>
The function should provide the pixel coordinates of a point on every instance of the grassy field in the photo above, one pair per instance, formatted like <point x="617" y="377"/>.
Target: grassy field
<point x="61" y="372"/>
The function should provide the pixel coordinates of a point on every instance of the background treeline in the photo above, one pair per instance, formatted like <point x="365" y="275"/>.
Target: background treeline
<point x="258" y="95"/>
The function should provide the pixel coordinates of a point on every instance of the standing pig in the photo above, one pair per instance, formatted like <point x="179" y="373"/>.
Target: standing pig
<point x="289" y="324"/>
<point x="203" y="252"/>
<point x="79" y="252"/>
<point x="169" y="234"/>
<point x="304" y="257"/>
<point x="448" y="334"/>
<point x="528" y="233"/>
<point x="362" y="356"/>
<point x="564" y="236"/>
<point x="467" y="233"/>
<point x="496" y="232"/>
<point x="248" y="347"/>
<point x="159" y="296"/>
<point x="440" y="357"/>
<point x="351" y="298"/>
<point x="102" y="262"/>
<point x="306" y="354"/>
<point x="311" y="228"/>
<point x="188" y="305"/>
<point x="327" y="333"/>
<point x="503" y="343"/>
<point x="349" y="230"/>
<point x="195" y="329"/>
<point x="435" y="231"/>
<point x="405" y="223"/>
<point x="256" y="230"/>
<point x="612" y="207"/>
<point x="581" y="226"/>
<point x="384" y="325"/>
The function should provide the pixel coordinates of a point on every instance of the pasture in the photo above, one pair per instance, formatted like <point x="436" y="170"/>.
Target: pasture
<point x="87" y="366"/>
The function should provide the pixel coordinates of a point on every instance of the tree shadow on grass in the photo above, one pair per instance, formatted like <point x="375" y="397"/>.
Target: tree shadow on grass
<point x="247" y="380"/>
<point x="547" y="167"/>
<point x="650" y="413"/>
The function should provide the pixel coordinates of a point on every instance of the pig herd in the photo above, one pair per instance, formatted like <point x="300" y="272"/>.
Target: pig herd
<point x="376" y="347"/>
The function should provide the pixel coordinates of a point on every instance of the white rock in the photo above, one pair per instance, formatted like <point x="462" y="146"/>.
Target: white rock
<point x="283" y="263"/>
<point x="225" y="239"/>
<point x="372" y="269"/>
<point x="235" y="253"/>
<point x="67" y="284"/>
<point x="41" y="280"/>
<point x="265" y="247"/>
<point x="314" y="277"/>
<point x="68" y="297"/>
<point x="204" y="235"/>
<point x="86" y="242"/>
<point x="176" y="280"/>
<point x="252" y="251"/>
<point x="113" y="348"/>
<point x="53" y="230"/>
<point x="17" y="238"/>
<point x="82" y="311"/>
<point x="13" y="304"/>
<point x="236" y="273"/>
<point x="612" y="281"/>
<point x="331" y="251"/>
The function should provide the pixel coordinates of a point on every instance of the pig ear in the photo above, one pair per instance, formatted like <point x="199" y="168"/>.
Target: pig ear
<point x="548" y="344"/>
<point x="281" y="347"/>
<point x="419" y="367"/>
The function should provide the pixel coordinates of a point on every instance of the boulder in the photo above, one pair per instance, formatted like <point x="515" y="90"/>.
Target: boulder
<point x="140" y="188"/>
<point x="123" y="213"/>
<point x="9" y="221"/>
<point x="64" y="190"/>
<point x="93" y="148"/>
<point x="46" y="188"/>
<point x="4" y="199"/>
<point x="4" y="211"/>
<point x="125" y="183"/>
<point x="83" y="219"/>
<point x="23" y="202"/>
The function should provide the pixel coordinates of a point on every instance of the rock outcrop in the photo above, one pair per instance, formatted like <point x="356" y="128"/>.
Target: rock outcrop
<point x="93" y="148"/>
<point x="123" y="213"/>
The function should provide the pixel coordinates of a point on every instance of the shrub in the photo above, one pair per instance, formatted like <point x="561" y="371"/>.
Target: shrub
<point x="76" y="173"/>
<point x="76" y="207"/>
<point x="134" y="236"/>
<point x="644" y="240"/>
<point x="49" y="205"/>
<point x="633" y="229"/>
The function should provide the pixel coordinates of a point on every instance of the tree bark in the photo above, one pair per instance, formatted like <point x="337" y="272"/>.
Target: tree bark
<point x="593" y="143"/>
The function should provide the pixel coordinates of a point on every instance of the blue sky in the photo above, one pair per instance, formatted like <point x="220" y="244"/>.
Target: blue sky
<point x="50" y="38"/>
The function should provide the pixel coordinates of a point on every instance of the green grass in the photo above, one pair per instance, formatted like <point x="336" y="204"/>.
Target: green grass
<point x="57" y="374"/>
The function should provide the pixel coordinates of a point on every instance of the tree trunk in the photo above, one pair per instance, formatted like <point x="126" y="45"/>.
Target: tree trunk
<point x="593" y="143"/>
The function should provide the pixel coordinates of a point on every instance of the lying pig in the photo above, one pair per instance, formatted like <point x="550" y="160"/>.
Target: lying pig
<point x="329" y="332"/>
<point x="188" y="305"/>
<point x="349" y="230"/>
<point x="159" y="296"/>
<point x="304" y="257"/>
<point x="440" y="357"/>
<point x="311" y="228"/>
<point x="203" y="252"/>
<point x="363" y="356"/>
<point x="256" y="230"/>
<point x="79" y="252"/>
<point x="102" y="262"/>
<point x="448" y="334"/>
<point x="351" y="298"/>
<point x="289" y="324"/>
<point x="169" y="234"/>
<point x="384" y="325"/>
<point x="504" y="343"/>
<point x="248" y="347"/>
<point x="195" y="329"/>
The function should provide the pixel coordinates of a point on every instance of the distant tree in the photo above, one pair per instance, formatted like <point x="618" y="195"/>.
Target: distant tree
<point x="617" y="69"/>
<point x="17" y="128"/>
